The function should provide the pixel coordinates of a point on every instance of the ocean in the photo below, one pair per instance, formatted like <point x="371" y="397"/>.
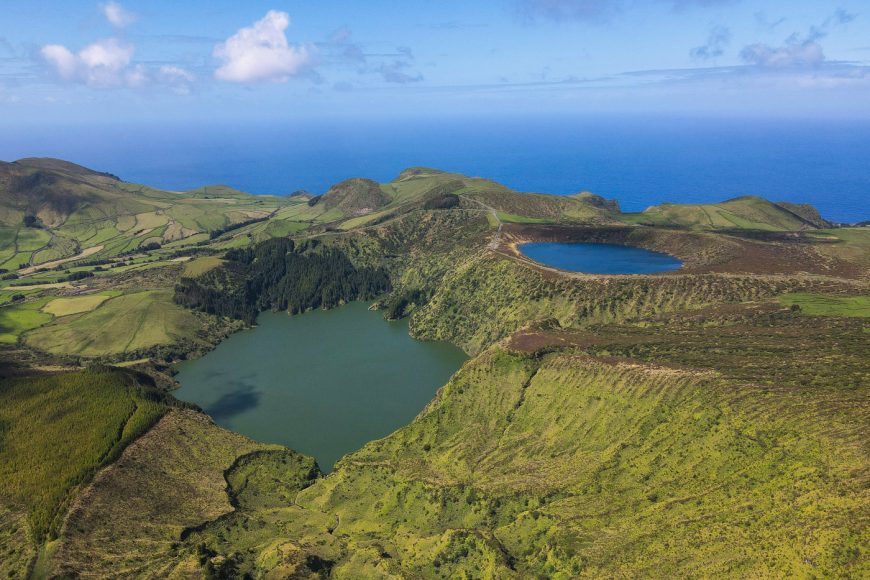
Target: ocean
<point x="638" y="161"/>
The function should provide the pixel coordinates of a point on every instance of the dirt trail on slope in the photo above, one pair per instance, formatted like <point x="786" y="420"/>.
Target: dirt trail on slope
<point x="49" y="265"/>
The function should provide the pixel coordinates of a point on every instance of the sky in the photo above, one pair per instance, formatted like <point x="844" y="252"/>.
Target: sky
<point x="210" y="60"/>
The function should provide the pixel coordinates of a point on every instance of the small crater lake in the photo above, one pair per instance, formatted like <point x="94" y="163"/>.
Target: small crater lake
<point x="599" y="258"/>
<point x="323" y="383"/>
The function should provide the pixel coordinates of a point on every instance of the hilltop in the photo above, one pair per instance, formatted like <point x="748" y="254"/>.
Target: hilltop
<point x="354" y="197"/>
<point x="748" y="212"/>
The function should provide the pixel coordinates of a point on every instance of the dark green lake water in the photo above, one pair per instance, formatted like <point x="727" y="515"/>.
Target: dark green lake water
<point x="323" y="383"/>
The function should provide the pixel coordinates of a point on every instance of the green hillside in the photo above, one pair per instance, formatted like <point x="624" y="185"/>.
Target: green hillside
<point x="47" y="452"/>
<point x="354" y="197"/>
<point x="753" y="213"/>
<point x="51" y="211"/>
<point x="706" y="422"/>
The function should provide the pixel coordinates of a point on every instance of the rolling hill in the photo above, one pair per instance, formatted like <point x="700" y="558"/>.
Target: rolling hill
<point x="53" y="210"/>
<point x="749" y="212"/>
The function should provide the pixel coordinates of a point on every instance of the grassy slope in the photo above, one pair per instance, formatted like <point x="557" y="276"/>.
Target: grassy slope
<point x="126" y="324"/>
<point x="56" y="432"/>
<point x="84" y="209"/>
<point x="485" y="299"/>
<point x="824" y="305"/>
<point x="200" y="266"/>
<point x="740" y="213"/>
<point x="16" y="319"/>
<point x="76" y="305"/>
<point x="130" y="520"/>
<point x="568" y="466"/>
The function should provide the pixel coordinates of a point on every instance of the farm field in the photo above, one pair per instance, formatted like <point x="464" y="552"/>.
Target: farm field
<point x="125" y="324"/>
<point x="19" y="318"/>
<point x="76" y="305"/>
<point x="821" y="305"/>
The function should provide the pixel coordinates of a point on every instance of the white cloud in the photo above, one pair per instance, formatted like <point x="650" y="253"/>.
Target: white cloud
<point x="261" y="52"/>
<point x="64" y="61"/>
<point x="175" y="74"/>
<point x="101" y="64"/>
<point x="117" y="15"/>
<point x="136" y="77"/>
<point x="108" y="64"/>
<point x="179" y="79"/>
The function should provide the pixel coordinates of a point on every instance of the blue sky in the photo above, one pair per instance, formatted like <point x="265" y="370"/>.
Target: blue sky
<point x="141" y="60"/>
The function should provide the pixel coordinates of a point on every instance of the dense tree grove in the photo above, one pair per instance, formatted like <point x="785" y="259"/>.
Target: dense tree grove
<point x="442" y="201"/>
<point x="280" y="275"/>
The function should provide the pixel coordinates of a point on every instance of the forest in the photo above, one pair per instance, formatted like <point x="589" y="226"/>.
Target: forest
<point x="280" y="274"/>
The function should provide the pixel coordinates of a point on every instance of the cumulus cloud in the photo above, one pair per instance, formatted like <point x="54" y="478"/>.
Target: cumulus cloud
<point x="715" y="46"/>
<point x="101" y="64"/>
<point x="793" y="54"/>
<point x="117" y="15"/>
<point x="107" y="64"/>
<point x="261" y="52"/>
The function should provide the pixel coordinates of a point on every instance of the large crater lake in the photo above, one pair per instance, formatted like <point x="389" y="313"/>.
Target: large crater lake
<point x="323" y="383"/>
<point x="599" y="258"/>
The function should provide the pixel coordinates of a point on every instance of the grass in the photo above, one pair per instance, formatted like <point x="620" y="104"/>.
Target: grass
<point x="530" y="207"/>
<point x="752" y="213"/>
<point x="481" y="300"/>
<point x="17" y="319"/>
<point x="520" y="219"/>
<point x="200" y="266"/>
<point x="825" y="305"/>
<point x="127" y="324"/>
<point x="76" y="305"/>
<point x="171" y="480"/>
<point x="58" y="430"/>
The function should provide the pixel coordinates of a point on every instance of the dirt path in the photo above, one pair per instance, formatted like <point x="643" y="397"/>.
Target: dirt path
<point x="49" y="265"/>
<point x="496" y="238"/>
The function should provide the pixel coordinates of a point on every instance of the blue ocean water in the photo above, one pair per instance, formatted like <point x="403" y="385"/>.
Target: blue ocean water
<point x="600" y="258"/>
<point x="639" y="161"/>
